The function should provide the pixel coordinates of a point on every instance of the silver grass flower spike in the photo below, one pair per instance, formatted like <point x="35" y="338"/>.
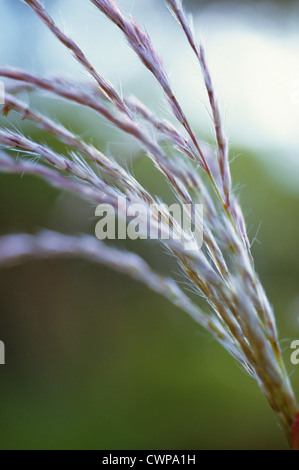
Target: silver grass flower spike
<point x="238" y="314"/>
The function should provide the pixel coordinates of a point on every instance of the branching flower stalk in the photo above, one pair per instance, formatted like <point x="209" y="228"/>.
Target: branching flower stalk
<point x="239" y="315"/>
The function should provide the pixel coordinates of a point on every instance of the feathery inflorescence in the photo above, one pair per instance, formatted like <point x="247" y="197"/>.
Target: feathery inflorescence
<point x="239" y="314"/>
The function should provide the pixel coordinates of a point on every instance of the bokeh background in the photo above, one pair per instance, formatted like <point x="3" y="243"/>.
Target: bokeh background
<point x="95" y="360"/>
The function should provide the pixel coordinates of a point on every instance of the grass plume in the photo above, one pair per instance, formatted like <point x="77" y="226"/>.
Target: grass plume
<point x="238" y="314"/>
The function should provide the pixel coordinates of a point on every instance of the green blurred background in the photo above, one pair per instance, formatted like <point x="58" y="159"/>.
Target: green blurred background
<point x="95" y="360"/>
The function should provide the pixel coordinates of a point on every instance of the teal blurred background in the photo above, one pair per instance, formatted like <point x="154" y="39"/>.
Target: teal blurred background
<point x="94" y="359"/>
